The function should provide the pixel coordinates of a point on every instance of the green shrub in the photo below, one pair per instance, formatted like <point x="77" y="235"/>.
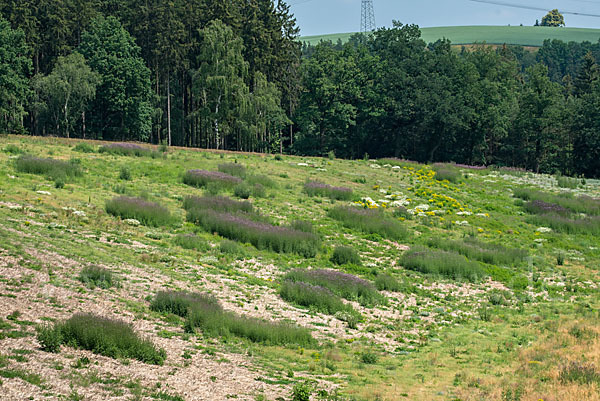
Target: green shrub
<point x="83" y="147"/>
<point x="147" y="213"/>
<point x="179" y="303"/>
<point x="258" y="191"/>
<point x="97" y="276"/>
<point x="234" y="169"/>
<point x="345" y="285"/>
<point x="369" y="220"/>
<point x="230" y="248"/>
<point x="475" y="249"/>
<point x="242" y="190"/>
<point x="49" y="338"/>
<point x="191" y="241"/>
<point x="51" y="168"/>
<point x="314" y="297"/>
<point x="302" y="392"/>
<point x="386" y="282"/>
<point x="343" y="255"/>
<point x="303" y="225"/>
<point x="125" y="174"/>
<point x="442" y="263"/>
<point x="447" y="172"/>
<point x="108" y="337"/>
<point x="13" y="149"/>
<point x="59" y="183"/>
<point x="567" y="182"/>
<point x="263" y="180"/>
<point x="369" y="357"/>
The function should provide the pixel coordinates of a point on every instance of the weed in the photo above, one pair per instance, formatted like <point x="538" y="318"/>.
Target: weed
<point x="49" y="338"/>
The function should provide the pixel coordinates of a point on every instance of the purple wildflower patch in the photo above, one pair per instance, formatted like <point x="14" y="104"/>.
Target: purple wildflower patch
<point x="201" y="178"/>
<point x="317" y="188"/>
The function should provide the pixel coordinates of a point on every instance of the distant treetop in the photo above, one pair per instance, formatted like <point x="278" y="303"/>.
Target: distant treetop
<point x="553" y="18"/>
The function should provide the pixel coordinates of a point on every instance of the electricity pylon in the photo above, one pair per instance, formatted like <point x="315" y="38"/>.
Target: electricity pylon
<point x="367" y="16"/>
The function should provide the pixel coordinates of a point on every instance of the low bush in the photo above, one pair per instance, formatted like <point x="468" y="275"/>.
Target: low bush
<point x="442" y="263"/>
<point x="343" y="255"/>
<point x="369" y="220"/>
<point x="447" y="172"/>
<point x="51" y="168"/>
<point x="204" y="312"/>
<point x="242" y="190"/>
<point x="315" y="297"/>
<point x="217" y="203"/>
<point x="203" y="178"/>
<point x="191" y="241"/>
<point x="345" y="285"/>
<point x="230" y="248"/>
<point x="125" y="174"/>
<point x="13" y="149"/>
<point x="316" y="188"/>
<point x="128" y="149"/>
<point x="234" y="169"/>
<point x="482" y="251"/>
<point x="147" y="213"/>
<point x="104" y="336"/>
<point x="260" y="234"/>
<point x="386" y="282"/>
<point x="83" y="147"/>
<point x="49" y="338"/>
<point x="179" y="302"/>
<point x="97" y="276"/>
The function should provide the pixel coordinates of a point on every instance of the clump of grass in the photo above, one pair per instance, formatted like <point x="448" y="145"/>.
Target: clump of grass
<point x="263" y="180"/>
<point x="343" y="255"/>
<point x="234" y="169"/>
<point x="202" y="178"/>
<point x="49" y="338"/>
<point x="345" y="285"/>
<point x="577" y="204"/>
<point x="303" y="225"/>
<point x="191" y="241"/>
<point x="51" y="168"/>
<point x="179" y="302"/>
<point x="128" y="149"/>
<point x="442" y="263"/>
<point x="230" y="248"/>
<point x="578" y="225"/>
<point x="475" y="249"/>
<point x="217" y="203"/>
<point x="242" y="190"/>
<point x="315" y="297"/>
<point x="97" y="276"/>
<point x="125" y="174"/>
<point x="387" y="282"/>
<point x="447" y="172"/>
<point x="204" y="312"/>
<point x="541" y="207"/>
<point x="147" y="213"/>
<point x="317" y="188"/>
<point x="260" y="234"/>
<point x="369" y="220"/>
<point x="83" y="147"/>
<point x="13" y="149"/>
<point x="567" y="182"/>
<point x="108" y="337"/>
<point x="579" y="372"/>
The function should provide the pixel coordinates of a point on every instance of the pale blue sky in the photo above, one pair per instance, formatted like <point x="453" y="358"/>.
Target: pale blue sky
<point x="335" y="16"/>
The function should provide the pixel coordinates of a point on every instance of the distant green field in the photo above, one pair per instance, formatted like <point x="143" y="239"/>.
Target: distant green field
<point x="514" y="35"/>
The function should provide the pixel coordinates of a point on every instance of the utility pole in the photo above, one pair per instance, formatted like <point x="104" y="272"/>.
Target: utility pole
<point x="367" y="16"/>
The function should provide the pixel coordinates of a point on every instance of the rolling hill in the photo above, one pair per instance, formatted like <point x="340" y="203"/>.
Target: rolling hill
<point x="515" y="35"/>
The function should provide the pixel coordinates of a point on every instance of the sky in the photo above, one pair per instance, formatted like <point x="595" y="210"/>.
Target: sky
<point x="316" y="17"/>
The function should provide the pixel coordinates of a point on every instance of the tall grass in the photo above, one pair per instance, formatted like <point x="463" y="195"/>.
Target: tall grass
<point x="83" y="147"/>
<point x="265" y="181"/>
<point x="315" y="297"/>
<point x="317" y="188"/>
<point x="368" y="220"/>
<point x="55" y="169"/>
<point x="147" y="213"/>
<point x="234" y="169"/>
<point x="541" y="207"/>
<point x="447" y="172"/>
<point x="260" y="234"/>
<point x="577" y="204"/>
<point x="442" y="263"/>
<point x="345" y="285"/>
<point x="128" y="149"/>
<point x="577" y="225"/>
<point x="217" y="203"/>
<point x="105" y="336"/>
<point x="204" y="312"/>
<point x="97" y="276"/>
<point x="191" y="241"/>
<point x="567" y="182"/>
<point x="202" y="178"/>
<point x="486" y="252"/>
<point x="345" y="255"/>
<point x="387" y="282"/>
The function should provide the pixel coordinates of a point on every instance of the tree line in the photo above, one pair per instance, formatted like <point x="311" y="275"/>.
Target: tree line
<point x="233" y="75"/>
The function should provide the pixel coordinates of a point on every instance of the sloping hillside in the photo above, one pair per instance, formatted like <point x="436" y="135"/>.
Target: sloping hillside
<point x="514" y="35"/>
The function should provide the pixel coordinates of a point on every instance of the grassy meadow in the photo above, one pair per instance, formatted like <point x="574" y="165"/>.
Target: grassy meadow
<point x="464" y="35"/>
<point x="180" y="274"/>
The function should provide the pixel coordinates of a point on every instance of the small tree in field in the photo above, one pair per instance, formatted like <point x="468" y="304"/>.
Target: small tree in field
<point x="553" y="18"/>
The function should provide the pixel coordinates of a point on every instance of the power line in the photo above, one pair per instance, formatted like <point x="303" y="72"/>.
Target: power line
<point x="501" y="3"/>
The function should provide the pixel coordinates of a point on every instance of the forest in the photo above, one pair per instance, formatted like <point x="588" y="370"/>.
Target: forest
<point x="233" y="75"/>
